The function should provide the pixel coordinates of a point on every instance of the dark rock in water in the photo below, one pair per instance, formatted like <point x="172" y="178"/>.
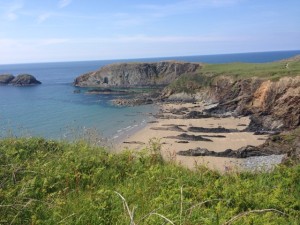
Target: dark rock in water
<point x="105" y="91"/>
<point x="188" y="137"/>
<point x="211" y="130"/>
<point x="24" y="80"/>
<point x="243" y="152"/>
<point x="6" y="79"/>
<point x="132" y="101"/>
<point x="76" y="91"/>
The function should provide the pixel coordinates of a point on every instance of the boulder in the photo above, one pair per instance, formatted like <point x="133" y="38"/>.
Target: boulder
<point x="24" y="80"/>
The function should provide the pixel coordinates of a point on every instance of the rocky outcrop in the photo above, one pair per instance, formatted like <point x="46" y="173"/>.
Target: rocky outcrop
<point x="244" y="152"/>
<point x="20" y="80"/>
<point x="287" y="143"/>
<point x="24" y="80"/>
<point x="273" y="105"/>
<point x="136" y="74"/>
<point x="6" y="79"/>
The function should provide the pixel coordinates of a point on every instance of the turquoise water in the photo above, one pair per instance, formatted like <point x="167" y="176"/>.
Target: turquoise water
<point x="53" y="110"/>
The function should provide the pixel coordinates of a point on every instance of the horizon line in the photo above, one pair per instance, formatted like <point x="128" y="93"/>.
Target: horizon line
<point x="143" y="58"/>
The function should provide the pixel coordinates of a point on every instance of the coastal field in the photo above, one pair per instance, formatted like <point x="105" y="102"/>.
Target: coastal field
<point x="205" y="75"/>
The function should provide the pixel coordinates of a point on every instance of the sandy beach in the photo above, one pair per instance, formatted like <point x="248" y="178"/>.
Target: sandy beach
<point x="171" y="123"/>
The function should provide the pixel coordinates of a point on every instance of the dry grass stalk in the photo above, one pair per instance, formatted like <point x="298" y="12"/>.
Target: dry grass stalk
<point x="252" y="211"/>
<point x="181" y="203"/>
<point x="161" y="216"/>
<point x="130" y="213"/>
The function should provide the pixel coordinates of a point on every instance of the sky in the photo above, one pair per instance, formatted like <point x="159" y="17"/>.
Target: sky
<point x="78" y="30"/>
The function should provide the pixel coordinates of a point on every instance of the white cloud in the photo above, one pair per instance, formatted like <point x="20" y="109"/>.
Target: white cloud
<point x="64" y="3"/>
<point x="12" y="11"/>
<point x="42" y="17"/>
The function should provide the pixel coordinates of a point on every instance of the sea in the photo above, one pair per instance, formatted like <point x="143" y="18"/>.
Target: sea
<point x="54" y="110"/>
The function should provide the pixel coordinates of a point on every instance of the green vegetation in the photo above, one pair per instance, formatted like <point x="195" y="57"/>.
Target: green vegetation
<point x="272" y="70"/>
<point x="49" y="182"/>
<point x="190" y="83"/>
<point x="291" y="136"/>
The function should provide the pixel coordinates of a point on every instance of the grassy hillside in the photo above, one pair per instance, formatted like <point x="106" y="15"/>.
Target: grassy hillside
<point x="274" y="70"/>
<point x="48" y="182"/>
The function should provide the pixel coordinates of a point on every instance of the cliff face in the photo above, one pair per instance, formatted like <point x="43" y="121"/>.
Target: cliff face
<point x="136" y="74"/>
<point x="273" y="104"/>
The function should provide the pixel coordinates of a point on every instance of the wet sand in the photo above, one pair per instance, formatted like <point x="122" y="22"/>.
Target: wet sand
<point x="159" y="129"/>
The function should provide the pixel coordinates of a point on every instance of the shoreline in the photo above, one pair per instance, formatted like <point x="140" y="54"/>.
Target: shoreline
<point x="169" y="124"/>
<point x="124" y="133"/>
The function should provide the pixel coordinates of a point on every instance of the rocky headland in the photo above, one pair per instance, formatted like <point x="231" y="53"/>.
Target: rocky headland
<point x="136" y="74"/>
<point x="20" y="80"/>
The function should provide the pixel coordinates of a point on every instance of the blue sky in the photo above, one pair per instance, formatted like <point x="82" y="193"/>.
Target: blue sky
<point x="71" y="30"/>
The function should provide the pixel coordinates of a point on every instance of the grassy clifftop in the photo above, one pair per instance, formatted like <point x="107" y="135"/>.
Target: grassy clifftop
<point x="208" y="72"/>
<point x="48" y="182"/>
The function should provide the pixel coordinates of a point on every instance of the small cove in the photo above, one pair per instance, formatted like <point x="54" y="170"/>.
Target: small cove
<point x="52" y="110"/>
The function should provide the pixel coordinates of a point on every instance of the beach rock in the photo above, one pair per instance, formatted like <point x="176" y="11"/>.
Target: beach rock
<point x="136" y="74"/>
<point x="244" y="152"/>
<point x="211" y="130"/>
<point x="24" y="80"/>
<point x="266" y="132"/>
<point x="134" y="142"/>
<point x="187" y="137"/>
<point x="286" y="143"/>
<point x="169" y="128"/>
<point x="180" y="111"/>
<point x="214" y="136"/>
<point x="6" y="79"/>
<point x="197" y="115"/>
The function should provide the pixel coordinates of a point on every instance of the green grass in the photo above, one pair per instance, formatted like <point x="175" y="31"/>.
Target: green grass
<point x="272" y="70"/>
<point x="204" y="76"/>
<point x="49" y="182"/>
